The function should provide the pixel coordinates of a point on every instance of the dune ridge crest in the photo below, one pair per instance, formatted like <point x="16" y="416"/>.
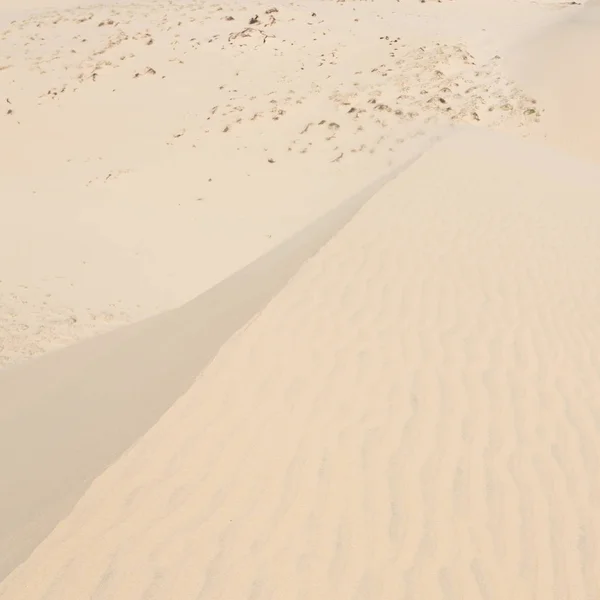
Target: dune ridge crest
<point x="66" y="415"/>
<point x="399" y="413"/>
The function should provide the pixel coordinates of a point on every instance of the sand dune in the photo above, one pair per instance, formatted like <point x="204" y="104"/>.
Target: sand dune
<point x="47" y="462"/>
<point x="414" y="415"/>
<point x="559" y="65"/>
<point x="397" y="397"/>
<point x="174" y="142"/>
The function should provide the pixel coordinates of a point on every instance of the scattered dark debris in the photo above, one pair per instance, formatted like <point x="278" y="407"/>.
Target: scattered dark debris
<point x="271" y="10"/>
<point x="247" y="32"/>
<point x="271" y="160"/>
<point x="253" y="20"/>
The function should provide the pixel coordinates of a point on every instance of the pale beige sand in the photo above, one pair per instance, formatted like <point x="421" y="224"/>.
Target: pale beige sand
<point x="560" y="65"/>
<point x="415" y="415"/>
<point x="150" y="149"/>
<point x="113" y="388"/>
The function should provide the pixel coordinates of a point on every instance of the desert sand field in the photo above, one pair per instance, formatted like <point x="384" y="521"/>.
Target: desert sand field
<point x="151" y="149"/>
<point x="300" y="300"/>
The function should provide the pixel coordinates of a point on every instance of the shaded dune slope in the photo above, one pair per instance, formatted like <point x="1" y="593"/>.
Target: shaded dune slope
<point x="415" y="415"/>
<point x="66" y="416"/>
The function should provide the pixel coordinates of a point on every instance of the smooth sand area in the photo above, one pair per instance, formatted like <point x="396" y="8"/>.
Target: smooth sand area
<point x="397" y="397"/>
<point x="559" y="65"/>
<point x="67" y="415"/>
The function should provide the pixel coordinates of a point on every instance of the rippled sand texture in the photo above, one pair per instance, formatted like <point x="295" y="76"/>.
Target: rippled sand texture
<point x="416" y="415"/>
<point x="401" y="401"/>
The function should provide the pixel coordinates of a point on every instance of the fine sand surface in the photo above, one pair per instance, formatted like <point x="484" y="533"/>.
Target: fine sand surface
<point x="415" y="414"/>
<point x="144" y="372"/>
<point x="560" y="65"/>
<point x="150" y="149"/>
<point x="398" y="397"/>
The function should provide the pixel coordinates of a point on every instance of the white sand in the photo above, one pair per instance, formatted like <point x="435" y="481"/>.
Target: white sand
<point x="122" y="194"/>
<point x="399" y="402"/>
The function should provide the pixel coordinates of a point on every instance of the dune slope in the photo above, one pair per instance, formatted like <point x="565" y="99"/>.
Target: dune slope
<point x="67" y="415"/>
<point x="415" y="415"/>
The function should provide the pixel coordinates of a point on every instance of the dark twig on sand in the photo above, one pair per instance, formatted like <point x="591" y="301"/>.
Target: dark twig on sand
<point x="247" y="32"/>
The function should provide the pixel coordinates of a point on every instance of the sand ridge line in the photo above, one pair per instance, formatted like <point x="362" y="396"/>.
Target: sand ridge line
<point x="412" y="415"/>
<point x="109" y="414"/>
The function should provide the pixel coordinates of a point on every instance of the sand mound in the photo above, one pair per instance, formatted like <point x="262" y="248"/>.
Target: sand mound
<point x="415" y="415"/>
<point x="67" y="415"/>
<point x="559" y="66"/>
<point x="287" y="108"/>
